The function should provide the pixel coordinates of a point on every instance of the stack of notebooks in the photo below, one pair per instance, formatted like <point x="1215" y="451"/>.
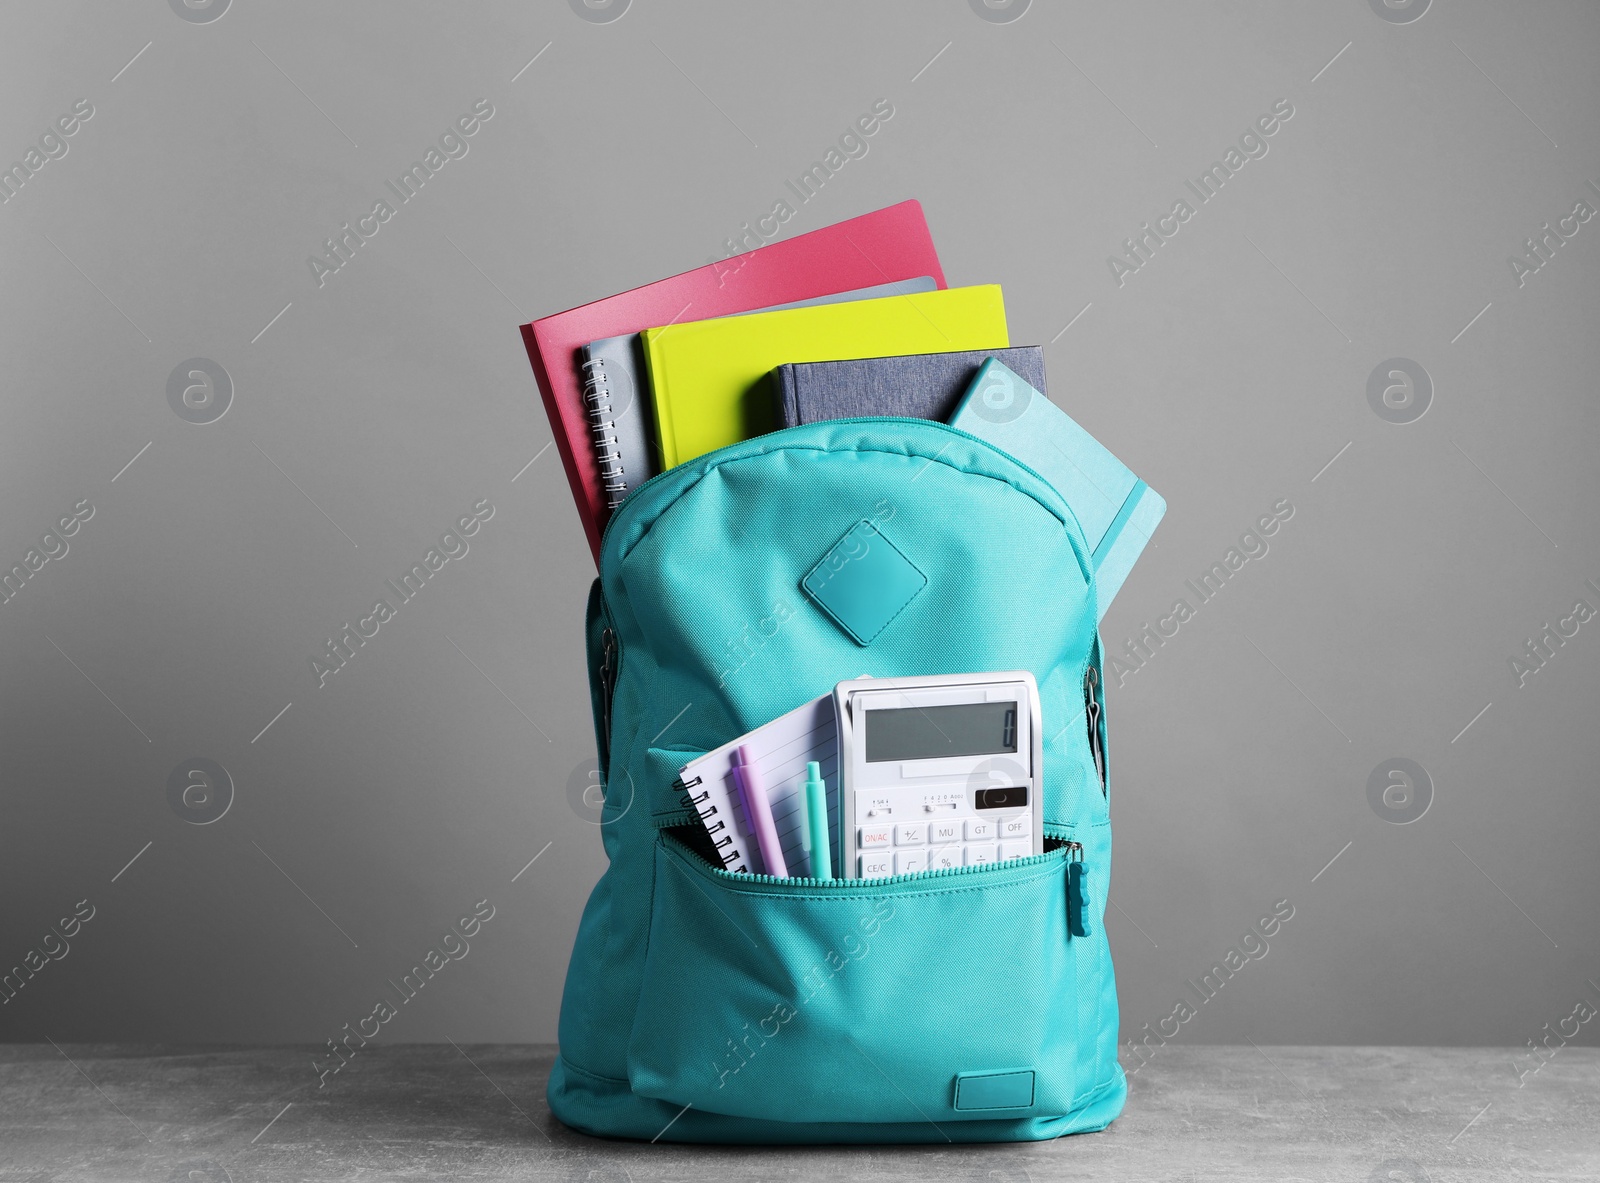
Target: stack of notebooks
<point x="850" y="320"/>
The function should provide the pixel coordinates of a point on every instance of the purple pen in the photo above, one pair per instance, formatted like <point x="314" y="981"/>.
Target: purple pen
<point x="758" y="808"/>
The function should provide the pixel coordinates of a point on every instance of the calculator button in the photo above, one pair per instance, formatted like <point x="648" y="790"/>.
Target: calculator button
<point x="982" y="853"/>
<point x="913" y="835"/>
<point x="949" y="831"/>
<point x="874" y="835"/>
<point x="979" y="828"/>
<point x="1014" y="827"/>
<point x="1015" y="850"/>
<point x="907" y="862"/>
<point x="876" y="866"/>
<point x="943" y="858"/>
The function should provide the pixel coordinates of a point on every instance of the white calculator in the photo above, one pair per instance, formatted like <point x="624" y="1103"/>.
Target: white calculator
<point x="938" y="772"/>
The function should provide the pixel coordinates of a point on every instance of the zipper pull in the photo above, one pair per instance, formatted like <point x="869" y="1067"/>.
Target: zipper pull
<point x="1078" y="901"/>
<point x="608" y="677"/>
<point x="1091" y="708"/>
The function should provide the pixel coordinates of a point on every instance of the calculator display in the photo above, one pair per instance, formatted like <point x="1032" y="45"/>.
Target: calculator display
<point x="931" y="732"/>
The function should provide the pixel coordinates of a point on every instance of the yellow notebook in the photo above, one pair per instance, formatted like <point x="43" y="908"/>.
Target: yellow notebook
<point x="710" y="378"/>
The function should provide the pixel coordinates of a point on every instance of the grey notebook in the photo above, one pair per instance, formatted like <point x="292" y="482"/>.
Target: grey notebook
<point x="612" y="371"/>
<point x="915" y="385"/>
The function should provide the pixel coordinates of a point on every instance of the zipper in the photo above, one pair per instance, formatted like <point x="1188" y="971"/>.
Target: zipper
<point x="1080" y="895"/>
<point x="677" y="471"/>
<point x="870" y="886"/>
<point x="661" y="477"/>
<point x="611" y="655"/>
<point x="608" y="681"/>
<point x="1078" y="892"/>
<point x="1091" y="708"/>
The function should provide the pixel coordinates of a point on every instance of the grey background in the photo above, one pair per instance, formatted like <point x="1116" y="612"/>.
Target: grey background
<point x="370" y="413"/>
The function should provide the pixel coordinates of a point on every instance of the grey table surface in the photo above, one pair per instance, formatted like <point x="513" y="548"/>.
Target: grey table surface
<point x="437" y="1111"/>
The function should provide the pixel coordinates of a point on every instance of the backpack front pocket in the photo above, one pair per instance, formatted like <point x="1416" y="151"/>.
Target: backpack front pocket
<point x="944" y="996"/>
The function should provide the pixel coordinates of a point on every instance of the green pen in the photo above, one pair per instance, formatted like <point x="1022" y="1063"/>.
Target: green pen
<point x="817" y="822"/>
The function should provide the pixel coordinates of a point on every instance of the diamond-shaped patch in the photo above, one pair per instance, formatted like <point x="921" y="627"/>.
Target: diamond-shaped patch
<point x="863" y="582"/>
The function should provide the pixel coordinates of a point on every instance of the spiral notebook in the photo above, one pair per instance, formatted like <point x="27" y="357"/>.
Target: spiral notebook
<point x="618" y="421"/>
<point x="781" y="749"/>
<point x="612" y="370"/>
<point x="888" y="244"/>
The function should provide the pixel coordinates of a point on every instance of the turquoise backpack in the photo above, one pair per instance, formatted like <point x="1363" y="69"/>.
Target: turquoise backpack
<point x="966" y="1005"/>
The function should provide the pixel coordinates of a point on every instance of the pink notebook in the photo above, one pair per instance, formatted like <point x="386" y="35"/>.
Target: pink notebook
<point x="882" y="247"/>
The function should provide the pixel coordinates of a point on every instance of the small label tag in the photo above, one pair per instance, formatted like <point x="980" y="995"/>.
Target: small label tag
<point x="995" y="1090"/>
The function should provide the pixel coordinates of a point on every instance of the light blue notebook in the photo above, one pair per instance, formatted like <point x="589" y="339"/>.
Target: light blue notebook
<point x="1118" y="511"/>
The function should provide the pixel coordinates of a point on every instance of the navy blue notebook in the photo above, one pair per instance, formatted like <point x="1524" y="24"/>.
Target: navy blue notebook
<point x="915" y="385"/>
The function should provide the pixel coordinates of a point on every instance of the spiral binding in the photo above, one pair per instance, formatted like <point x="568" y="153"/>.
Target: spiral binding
<point x="687" y="799"/>
<point x="723" y="845"/>
<point x="607" y="447"/>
